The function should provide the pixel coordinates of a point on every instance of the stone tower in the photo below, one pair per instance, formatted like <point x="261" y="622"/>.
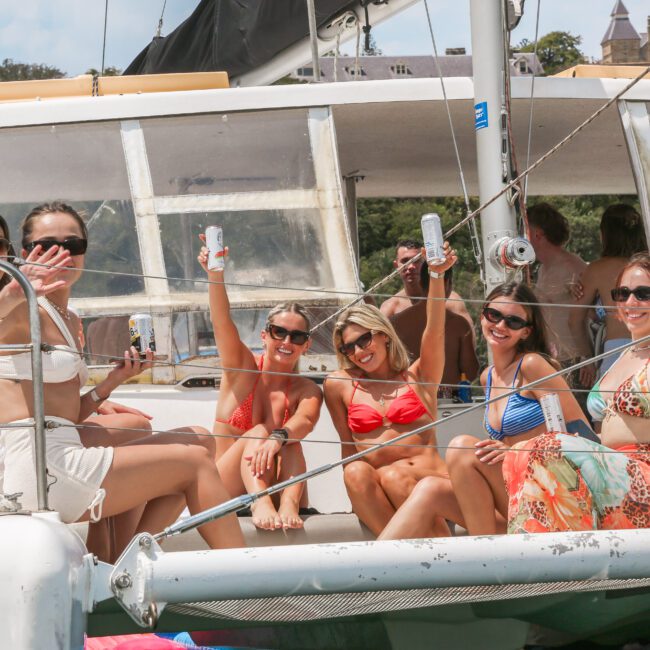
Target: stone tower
<point x="621" y="43"/>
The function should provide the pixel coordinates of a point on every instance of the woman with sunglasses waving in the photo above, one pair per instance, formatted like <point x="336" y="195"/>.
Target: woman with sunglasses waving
<point x="558" y="482"/>
<point x="377" y="395"/>
<point x="84" y="482"/>
<point x="265" y="408"/>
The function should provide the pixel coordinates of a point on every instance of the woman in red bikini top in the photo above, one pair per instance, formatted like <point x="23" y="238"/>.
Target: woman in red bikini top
<point x="265" y="408"/>
<point x="377" y="395"/>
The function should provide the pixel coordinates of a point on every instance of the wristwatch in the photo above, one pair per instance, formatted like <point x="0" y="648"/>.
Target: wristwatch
<point x="280" y="434"/>
<point x="436" y="276"/>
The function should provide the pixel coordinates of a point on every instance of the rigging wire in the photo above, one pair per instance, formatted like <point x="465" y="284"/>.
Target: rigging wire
<point x="532" y="99"/>
<point x="160" y="20"/>
<point x="473" y="233"/>
<point x="104" y="43"/>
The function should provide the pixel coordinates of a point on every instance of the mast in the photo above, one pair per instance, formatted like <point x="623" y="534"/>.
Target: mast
<point x="498" y="221"/>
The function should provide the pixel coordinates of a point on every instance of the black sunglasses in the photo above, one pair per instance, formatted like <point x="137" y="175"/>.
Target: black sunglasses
<point x="512" y="322"/>
<point x="75" y="245"/>
<point x="346" y="349"/>
<point x="298" y="337"/>
<point x="621" y="294"/>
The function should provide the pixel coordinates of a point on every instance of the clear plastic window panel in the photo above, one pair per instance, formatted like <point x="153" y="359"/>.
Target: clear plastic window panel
<point x="222" y="153"/>
<point x="267" y="249"/>
<point x="83" y="165"/>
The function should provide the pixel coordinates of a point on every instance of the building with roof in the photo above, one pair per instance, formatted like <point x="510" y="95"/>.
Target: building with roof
<point x="454" y="64"/>
<point x="622" y="43"/>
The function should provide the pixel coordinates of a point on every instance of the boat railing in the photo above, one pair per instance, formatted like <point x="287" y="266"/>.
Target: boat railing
<point x="35" y="348"/>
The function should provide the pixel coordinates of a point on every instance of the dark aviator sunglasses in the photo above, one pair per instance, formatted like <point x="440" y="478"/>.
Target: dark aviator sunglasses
<point x="347" y="349"/>
<point x="621" y="294"/>
<point x="512" y="322"/>
<point x="298" y="337"/>
<point x="75" y="245"/>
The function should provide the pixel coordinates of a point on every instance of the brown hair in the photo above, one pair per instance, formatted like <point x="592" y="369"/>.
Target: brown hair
<point x="291" y="307"/>
<point x="622" y="231"/>
<point x="524" y="295"/>
<point x="551" y="222"/>
<point x="5" y="278"/>
<point x="50" y="208"/>
<point x="642" y="260"/>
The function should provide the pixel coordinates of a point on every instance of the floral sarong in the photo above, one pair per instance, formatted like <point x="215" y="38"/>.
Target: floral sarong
<point x="559" y="482"/>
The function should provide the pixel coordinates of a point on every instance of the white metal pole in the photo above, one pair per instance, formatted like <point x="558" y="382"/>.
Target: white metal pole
<point x="497" y="220"/>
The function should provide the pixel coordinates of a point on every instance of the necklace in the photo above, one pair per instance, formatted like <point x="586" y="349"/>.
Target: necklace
<point x="64" y="312"/>
<point x="382" y="401"/>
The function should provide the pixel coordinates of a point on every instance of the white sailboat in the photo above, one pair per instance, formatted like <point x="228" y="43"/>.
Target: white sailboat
<point x="155" y="166"/>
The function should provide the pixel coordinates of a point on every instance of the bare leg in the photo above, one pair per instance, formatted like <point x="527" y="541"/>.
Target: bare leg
<point x="113" y="430"/>
<point x="369" y="501"/>
<point x="397" y="482"/>
<point x="292" y="463"/>
<point x="423" y="514"/>
<point x="166" y="465"/>
<point x="478" y="487"/>
<point x="229" y="461"/>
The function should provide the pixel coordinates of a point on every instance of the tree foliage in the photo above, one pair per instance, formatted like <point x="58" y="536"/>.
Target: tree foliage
<point x="11" y="70"/>
<point x="556" y="51"/>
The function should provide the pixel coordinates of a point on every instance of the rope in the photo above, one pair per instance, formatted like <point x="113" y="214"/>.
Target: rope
<point x="160" y="20"/>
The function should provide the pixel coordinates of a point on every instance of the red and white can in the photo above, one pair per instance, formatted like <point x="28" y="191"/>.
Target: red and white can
<point x="214" y="242"/>
<point x="553" y="415"/>
<point x="141" y="331"/>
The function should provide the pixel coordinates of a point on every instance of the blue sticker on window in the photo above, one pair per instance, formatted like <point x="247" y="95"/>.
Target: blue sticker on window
<point x="480" y="115"/>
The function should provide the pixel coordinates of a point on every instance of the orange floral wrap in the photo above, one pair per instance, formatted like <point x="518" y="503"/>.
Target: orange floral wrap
<point x="558" y="482"/>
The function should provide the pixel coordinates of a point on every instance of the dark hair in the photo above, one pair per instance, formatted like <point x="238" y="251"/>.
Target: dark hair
<point x="642" y="260"/>
<point x="622" y="231"/>
<point x="522" y="293"/>
<point x="5" y="278"/>
<point x="408" y="243"/>
<point x="552" y="223"/>
<point x="50" y="208"/>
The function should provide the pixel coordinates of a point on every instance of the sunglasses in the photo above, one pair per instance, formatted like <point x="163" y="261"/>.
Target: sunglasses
<point x="347" y="349"/>
<point x="75" y="245"/>
<point x="277" y="333"/>
<point x="621" y="294"/>
<point x="512" y="322"/>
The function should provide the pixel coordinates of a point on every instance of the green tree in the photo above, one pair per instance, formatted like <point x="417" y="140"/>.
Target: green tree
<point x="110" y="71"/>
<point x="10" y="70"/>
<point x="556" y="51"/>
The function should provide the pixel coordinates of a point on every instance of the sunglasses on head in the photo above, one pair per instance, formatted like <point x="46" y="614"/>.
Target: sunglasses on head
<point x="621" y="294"/>
<point x="347" y="349"/>
<point x="512" y="322"/>
<point x="75" y="245"/>
<point x="298" y="337"/>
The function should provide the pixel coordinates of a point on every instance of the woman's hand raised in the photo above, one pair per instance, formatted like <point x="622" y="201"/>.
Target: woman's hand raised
<point x="41" y="270"/>
<point x="450" y="259"/>
<point x="202" y="257"/>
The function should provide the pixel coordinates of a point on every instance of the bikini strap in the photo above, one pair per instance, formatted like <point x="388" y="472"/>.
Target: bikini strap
<point x="355" y="385"/>
<point x="488" y="385"/>
<point x="57" y="319"/>
<point x="514" y="379"/>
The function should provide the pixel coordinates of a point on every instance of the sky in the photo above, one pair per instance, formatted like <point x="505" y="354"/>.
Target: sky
<point x="68" y="34"/>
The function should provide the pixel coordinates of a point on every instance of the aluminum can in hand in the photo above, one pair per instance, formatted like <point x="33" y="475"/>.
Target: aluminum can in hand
<point x="432" y="238"/>
<point x="552" y="410"/>
<point x="141" y="331"/>
<point x="214" y="242"/>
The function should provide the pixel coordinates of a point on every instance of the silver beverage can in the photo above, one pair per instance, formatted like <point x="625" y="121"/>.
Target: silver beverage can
<point x="552" y="410"/>
<point x="141" y="331"/>
<point x="433" y="239"/>
<point x="214" y="242"/>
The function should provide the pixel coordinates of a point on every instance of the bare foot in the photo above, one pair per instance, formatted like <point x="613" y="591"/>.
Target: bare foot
<point x="288" y="512"/>
<point x="265" y="516"/>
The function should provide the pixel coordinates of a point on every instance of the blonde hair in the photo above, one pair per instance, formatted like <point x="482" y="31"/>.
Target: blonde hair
<point x="291" y="307"/>
<point x="371" y="318"/>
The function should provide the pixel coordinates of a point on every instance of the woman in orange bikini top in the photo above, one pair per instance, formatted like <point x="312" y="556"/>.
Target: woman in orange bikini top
<point x="376" y="396"/>
<point x="265" y="407"/>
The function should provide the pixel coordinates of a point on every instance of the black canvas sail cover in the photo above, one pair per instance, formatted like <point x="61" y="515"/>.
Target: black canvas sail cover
<point x="235" y="36"/>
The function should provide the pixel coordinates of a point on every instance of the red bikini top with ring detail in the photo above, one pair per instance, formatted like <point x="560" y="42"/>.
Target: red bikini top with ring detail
<point x="404" y="409"/>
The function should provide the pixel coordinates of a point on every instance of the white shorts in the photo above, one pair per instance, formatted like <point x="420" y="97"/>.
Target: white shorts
<point x="74" y="472"/>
